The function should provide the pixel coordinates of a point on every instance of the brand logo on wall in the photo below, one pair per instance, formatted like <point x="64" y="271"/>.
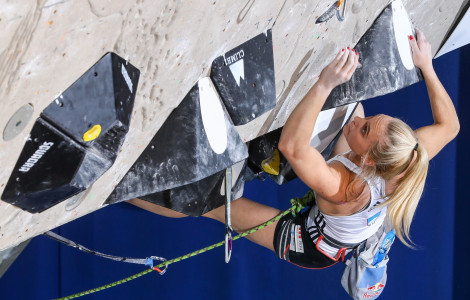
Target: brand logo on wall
<point x="235" y="63"/>
<point x="35" y="157"/>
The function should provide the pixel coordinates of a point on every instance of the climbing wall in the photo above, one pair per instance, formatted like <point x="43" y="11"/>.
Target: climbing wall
<point x="46" y="46"/>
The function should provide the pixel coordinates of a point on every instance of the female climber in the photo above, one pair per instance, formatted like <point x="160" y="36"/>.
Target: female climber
<point x="378" y="172"/>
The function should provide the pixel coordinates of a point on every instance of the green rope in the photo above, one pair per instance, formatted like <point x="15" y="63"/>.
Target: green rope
<point x="297" y="205"/>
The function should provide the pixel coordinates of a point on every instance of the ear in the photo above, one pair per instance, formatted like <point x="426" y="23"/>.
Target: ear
<point x="368" y="161"/>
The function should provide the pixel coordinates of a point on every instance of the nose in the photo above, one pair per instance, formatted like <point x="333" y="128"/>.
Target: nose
<point x="357" y="120"/>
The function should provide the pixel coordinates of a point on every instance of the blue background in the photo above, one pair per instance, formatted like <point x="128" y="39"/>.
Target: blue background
<point x="437" y="269"/>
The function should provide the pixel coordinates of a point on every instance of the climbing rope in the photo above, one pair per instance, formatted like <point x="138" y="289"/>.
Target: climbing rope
<point x="297" y="204"/>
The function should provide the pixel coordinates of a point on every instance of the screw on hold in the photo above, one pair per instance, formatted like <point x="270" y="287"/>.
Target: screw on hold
<point x="93" y="133"/>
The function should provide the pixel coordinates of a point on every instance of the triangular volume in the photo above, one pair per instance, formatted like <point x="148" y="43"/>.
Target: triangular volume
<point x="460" y="35"/>
<point x="195" y="199"/>
<point x="96" y="109"/>
<point x="264" y="156"/>
<point x="385" y="58"/>
<point x="77" y="137"/>
<point x="244" y="78"/>
<point x="196" y="141"/>
<point x="51" y="168"/>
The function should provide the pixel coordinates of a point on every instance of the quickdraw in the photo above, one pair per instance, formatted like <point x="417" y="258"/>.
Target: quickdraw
<point x="342" y="14"/>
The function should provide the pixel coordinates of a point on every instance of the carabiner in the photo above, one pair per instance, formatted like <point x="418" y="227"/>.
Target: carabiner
<point x="341" y="15"/>
<point x="228" y="244"/>
<point x="149" y="263"/>
<point x="228" y="219"/>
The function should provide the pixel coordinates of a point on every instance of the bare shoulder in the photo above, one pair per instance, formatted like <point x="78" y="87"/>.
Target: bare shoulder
<point x="353" y="194"/>
<point x="348" y="186"/>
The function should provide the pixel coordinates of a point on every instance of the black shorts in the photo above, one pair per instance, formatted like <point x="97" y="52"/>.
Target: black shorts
<point x="293" y="243"/>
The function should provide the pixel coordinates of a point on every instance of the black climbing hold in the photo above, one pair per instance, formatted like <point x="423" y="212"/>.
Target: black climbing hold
<point x="196" y="141"/>
<point x="103" y="96"/>
<point x="244" y="78"/>
<point x="61" y="156"/>
<point x="382" y="69"/>
<point x="197" y="198"/>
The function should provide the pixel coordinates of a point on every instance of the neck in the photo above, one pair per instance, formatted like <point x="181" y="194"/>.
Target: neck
<point x="355" y="158"/>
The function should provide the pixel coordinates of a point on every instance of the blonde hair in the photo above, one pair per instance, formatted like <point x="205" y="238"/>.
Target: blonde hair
<point x="393" y="154"/>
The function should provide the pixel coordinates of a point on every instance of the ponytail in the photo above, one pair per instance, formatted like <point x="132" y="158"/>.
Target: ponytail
<point x="403" y="202"/>
<point x="400" y="153"/>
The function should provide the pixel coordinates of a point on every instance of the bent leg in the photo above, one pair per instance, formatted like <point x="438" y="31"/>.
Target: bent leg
<point x="156" y="209"/>
<point x="246" y="214"/>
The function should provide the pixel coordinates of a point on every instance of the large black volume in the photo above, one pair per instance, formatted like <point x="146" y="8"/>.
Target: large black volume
<point x="76" y="138"/>
<point x="382" y="70"/>
<point x="185" y="161"/>
<point x="244" y="78"/>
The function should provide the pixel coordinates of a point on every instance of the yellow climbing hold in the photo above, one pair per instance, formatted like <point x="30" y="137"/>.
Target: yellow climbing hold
<point x="271" y="165"/>
<point x="93" y="133"/>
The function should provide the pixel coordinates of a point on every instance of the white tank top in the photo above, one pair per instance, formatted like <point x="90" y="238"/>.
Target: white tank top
<point x="357" y="227"/>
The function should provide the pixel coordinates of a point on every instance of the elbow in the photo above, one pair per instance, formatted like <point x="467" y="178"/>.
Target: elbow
<point x="291" y="151"/>
<point x="454" y="129"/>
<point x="286" y="148"/>
<point x="457" y="127"/>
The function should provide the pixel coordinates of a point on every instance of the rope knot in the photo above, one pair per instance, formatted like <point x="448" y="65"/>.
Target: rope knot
<point x="300" y="203"/>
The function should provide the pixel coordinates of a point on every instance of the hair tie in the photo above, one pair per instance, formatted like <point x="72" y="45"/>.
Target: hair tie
<point x="416" y="147"/>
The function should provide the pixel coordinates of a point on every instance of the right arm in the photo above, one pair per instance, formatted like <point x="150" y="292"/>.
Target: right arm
<point x="294" y="143"/>
<point x="446" y="122"/>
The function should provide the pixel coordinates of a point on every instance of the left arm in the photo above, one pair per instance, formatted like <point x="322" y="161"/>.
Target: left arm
<point x="446" y="122"/>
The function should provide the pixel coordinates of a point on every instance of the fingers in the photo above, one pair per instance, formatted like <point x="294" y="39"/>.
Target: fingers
<point x="338" y="57"/>
<point x="413" y="44"/>
<point x="354" y="67"/>
<point x="342" y="60"/>
<point x="351" y="62"/>
<point x="420" y="35"/>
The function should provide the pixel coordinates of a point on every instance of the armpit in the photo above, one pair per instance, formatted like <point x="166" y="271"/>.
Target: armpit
<point x="358" y="191"/>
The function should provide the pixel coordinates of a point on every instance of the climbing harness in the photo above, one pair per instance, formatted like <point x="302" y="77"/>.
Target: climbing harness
<point x="297" y="204"/>
<point x="228" y="218"/>
<point x="149" y="261"/>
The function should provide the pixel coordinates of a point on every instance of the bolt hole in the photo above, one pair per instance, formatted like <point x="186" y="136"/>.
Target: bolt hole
<point x="96" y="74"/>
<point x="266" y="40"/>
<point x="90" y="125"/>
<point x="18" y="123"/>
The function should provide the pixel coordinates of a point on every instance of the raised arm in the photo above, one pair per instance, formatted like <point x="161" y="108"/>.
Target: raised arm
<point x="446" y="122"/>
<point x="294" y="143"/>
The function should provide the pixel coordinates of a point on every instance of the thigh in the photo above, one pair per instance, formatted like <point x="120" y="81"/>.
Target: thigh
<point x="156" y="209"/>
<point x="246" y="214"/>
